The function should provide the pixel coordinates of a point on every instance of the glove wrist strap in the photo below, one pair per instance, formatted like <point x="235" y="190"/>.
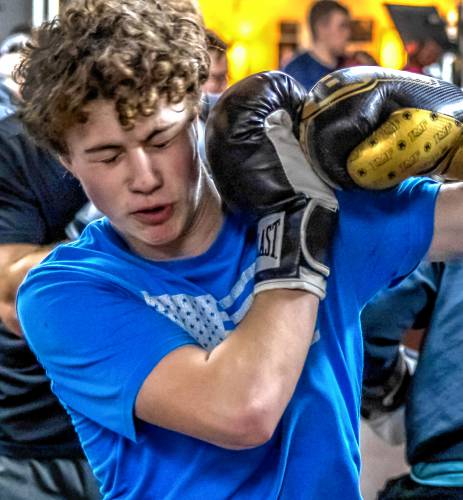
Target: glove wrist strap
<point x="292" y="248"/>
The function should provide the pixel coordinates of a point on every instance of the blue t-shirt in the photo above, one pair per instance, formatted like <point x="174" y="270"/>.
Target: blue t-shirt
<point x="306" y="70"/>
<point x="100" y="318"/>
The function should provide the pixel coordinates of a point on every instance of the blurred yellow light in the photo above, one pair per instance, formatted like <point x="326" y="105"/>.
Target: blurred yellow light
<point x="392" y="54"/>
<point x="452" y="17"/>
<point x="238" y="61"/>
<point x="245" y="29"/>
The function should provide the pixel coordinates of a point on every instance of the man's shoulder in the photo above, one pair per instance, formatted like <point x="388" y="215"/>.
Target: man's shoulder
<point x="10" y="128"/>
<point x="405" y="193"/>
<point x="7" y="101"/>
<point x="15" y="140"/>
<point x="305" y="60"/>
<point x="20" y="152"/>
<point x="413" y="186"/>
<point x="99" y="253"/>
<point x="306" y="69"/>
<point x="300" y="60"/>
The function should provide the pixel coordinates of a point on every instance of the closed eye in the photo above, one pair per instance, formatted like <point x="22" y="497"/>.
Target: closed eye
<point x="111" y="160"/>
<point x="160" y="145"/>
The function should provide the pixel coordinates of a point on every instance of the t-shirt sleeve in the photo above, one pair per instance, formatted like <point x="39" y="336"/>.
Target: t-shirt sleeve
<point x="383" y="235"/>
<point x="96" y="340"/>
<point x="420" y="199"/>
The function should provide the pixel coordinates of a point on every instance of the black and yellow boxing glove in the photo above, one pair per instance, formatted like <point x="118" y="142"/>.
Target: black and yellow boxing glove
<point x="261" y="172"/>
<point x="374" y="127"/>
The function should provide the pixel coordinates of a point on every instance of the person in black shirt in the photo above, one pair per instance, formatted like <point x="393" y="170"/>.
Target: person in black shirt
<point x="40" y="455"/>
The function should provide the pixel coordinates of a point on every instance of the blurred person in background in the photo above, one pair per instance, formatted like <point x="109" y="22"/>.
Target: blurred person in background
<point x="10" y="49"/>
<point x="40" y="455"/>
<point x="215" y="84"/>
<point x="421" y="406"/>
<point x="423" y="34"/>
<point x="358" y="58"/>
<point x="329" y="25"/>
<point x="217" y="81"/>
<point x="422" y="53"/>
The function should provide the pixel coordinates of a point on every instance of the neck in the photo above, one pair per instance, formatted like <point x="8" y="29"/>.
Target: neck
<point x="324" y="55"/>
<point x="207" y="221"/>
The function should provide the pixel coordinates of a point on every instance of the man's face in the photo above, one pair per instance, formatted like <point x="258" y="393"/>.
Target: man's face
<point x="335" y="32"/>
<point x="218" y="74"/>
<point x="146" y="180"/>
<point x="429" y="53"/>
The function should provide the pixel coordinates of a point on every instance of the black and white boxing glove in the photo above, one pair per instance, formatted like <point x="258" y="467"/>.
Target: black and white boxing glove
<point x="374" y="127"/>
<point x="260" y="170"/>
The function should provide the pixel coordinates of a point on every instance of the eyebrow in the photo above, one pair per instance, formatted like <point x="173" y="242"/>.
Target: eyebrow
<point x="103" y="147"/>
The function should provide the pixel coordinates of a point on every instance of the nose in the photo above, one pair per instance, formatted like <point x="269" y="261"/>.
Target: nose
<point x="145" y="177"/>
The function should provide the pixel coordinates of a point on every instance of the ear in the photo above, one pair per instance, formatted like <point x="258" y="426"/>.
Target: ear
<point x="65" y="160"/>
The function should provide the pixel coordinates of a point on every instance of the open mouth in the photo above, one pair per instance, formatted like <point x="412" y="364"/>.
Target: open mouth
<point x="155" y="215"/>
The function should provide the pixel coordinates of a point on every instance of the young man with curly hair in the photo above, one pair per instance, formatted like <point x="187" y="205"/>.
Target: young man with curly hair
<point x="181" y="354"/>
<point x="329" y="25"/>
<point x="136" y="347"/>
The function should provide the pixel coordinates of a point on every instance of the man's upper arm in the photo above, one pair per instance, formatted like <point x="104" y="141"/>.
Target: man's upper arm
<point x="447" y="241"/>
<point x="115" y="338"/>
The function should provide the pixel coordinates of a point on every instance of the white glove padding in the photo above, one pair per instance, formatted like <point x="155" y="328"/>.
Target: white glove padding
<point x="260" y="171"/>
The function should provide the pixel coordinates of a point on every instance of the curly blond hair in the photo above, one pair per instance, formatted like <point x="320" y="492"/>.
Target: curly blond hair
<point x="134" y="52"/>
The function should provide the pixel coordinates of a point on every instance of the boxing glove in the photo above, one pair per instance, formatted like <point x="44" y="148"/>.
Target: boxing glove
<point x="373" y="127"/>
<point x="260" y="170"/>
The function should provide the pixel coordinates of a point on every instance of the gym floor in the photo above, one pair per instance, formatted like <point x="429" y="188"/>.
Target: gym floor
<point x="380" y="462"/>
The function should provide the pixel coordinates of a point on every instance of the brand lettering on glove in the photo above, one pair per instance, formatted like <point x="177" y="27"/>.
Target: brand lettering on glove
<point x="441" y="134"/>
<point x="409" y="162"/>
<point x="381" y="159"/>
<point x="392" y="126"/>
<point x="417" y="131"/>
<point x="268" y="240"/>
<point x="270" y="233"/>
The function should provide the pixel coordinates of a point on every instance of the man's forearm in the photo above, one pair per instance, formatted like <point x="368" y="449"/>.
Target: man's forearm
<point x="16" y="260"/>
<point x="235" y="396"/>
<point x="447" y="240"/>
<point x="261" y="361"/>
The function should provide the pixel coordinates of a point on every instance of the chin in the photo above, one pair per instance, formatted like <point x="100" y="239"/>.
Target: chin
<point x="162" y="237"/>
<point x="159" y="240"/>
